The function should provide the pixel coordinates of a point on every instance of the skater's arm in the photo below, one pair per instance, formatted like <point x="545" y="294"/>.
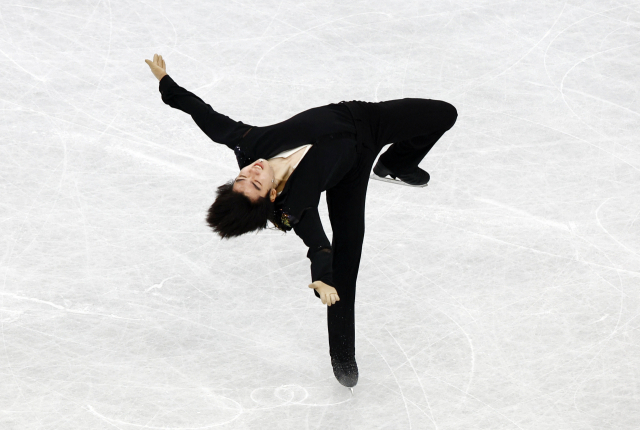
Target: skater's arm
<point x="310" y="230"/>
<point x="219" y="128"/>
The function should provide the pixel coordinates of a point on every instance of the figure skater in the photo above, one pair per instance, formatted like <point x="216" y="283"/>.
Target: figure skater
<point x="285" y="167"/>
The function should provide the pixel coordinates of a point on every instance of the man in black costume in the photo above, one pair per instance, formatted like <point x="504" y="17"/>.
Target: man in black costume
<point x="339" y="144"/>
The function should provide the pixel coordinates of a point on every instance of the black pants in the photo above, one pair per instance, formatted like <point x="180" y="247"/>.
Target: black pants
<point x="414" y="126"/>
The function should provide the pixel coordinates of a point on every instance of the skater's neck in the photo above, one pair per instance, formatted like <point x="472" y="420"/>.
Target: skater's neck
<point x="284" y="167"/>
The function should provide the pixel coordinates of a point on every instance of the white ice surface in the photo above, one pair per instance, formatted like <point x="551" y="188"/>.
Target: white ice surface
<point x="505" y="295"/>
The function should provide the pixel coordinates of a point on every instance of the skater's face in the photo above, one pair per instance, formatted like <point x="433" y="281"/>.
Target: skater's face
<point x="255" y="180"/>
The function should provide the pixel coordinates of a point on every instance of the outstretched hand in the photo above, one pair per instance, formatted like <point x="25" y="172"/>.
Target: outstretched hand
<point x="158" y="68"/>
<point x="328" y="294"/>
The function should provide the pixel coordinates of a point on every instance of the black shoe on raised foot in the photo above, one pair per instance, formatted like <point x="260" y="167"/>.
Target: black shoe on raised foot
<point x="417" y="178"/>
<point x="346" y="371"/>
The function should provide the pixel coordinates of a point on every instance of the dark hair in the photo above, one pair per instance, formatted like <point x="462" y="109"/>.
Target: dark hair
<point x="234" y="214"/>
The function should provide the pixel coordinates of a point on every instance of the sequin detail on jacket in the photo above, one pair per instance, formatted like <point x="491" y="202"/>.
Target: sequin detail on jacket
<point x="242" y="159"/>
<point x="284" y="220"/>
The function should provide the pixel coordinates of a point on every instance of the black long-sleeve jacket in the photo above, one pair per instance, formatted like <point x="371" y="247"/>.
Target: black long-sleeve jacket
<point x="330" y="129"/>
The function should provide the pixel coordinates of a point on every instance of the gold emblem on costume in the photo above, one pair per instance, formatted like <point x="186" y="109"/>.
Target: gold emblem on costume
<point x="285" y="220"/>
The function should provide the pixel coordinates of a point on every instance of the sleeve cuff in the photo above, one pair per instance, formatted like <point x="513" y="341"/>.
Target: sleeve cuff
<point x="165" y="82"/>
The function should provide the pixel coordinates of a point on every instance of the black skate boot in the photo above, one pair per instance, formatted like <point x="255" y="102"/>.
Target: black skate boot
<point x="417" y="178"/>
<point x="345" y="370"/>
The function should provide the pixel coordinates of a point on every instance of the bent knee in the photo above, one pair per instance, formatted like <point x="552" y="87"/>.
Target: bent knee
<point x="450" y="113"/>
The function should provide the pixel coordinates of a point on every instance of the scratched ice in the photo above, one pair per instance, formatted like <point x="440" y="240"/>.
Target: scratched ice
<point x="505" y="295"/>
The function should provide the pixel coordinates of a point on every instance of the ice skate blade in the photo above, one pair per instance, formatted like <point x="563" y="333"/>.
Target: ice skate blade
<point x="396" y="181"/>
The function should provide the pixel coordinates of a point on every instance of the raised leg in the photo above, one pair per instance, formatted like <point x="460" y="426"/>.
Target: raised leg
<point x="415" y="125"/>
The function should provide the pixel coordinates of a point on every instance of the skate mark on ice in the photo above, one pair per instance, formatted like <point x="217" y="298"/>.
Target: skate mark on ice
<point x="62" y="308"/>
<point x="116" y="423"/>
<point x="417" y="377"/>
<point x="158" y="286"/>
<point x="404" y="398"/>
<point x="550" y="223"/>
<point x="606" y="231"/>
<point x="283" y="395"/>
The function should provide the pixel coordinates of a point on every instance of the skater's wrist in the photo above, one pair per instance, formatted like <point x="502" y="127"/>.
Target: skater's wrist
<point x="318" y="284"/>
